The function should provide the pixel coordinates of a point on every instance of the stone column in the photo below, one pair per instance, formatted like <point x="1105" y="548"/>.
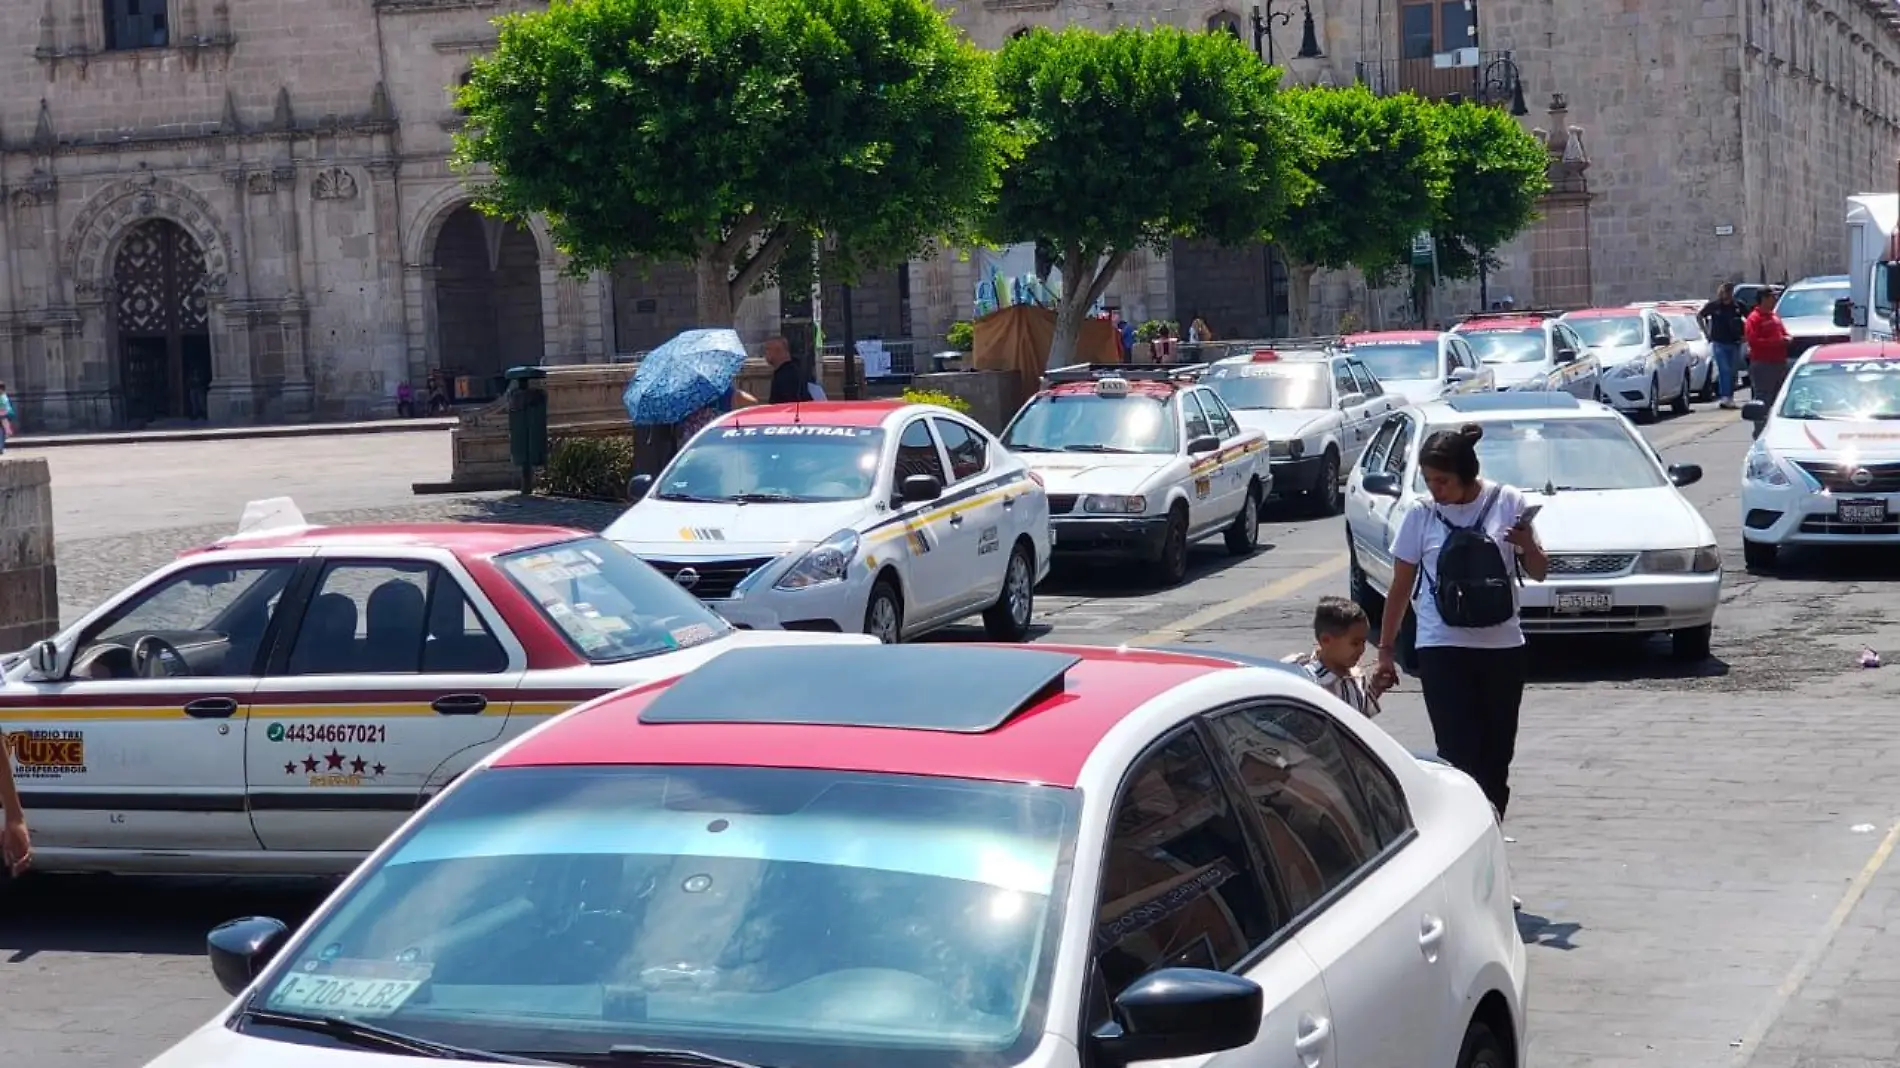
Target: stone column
<point x="297" y="400"/>
<point x="391" y="356"/>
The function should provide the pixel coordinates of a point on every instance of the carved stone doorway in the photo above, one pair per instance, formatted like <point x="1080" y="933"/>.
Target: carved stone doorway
<point x="164" y="335"/>
<point x="488" y="301"/>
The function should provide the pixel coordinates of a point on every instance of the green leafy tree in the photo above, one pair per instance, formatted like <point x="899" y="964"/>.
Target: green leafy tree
<point x="1499" y="171"/>
<point x="1379" y="168"/>
<point x="1131" y="139"/>
<point x="724" y="132"/>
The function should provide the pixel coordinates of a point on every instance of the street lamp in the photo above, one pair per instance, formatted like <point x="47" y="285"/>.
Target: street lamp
<point x="1263" y="31"/>
<point x="1500" y="79"/>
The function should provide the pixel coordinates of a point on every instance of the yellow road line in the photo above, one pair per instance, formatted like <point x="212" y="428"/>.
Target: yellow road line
<point x="1214" y="613"/>
<point x="1810" y="960"/>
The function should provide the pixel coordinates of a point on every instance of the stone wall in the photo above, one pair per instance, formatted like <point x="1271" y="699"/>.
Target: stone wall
<point x="29" y="581"/>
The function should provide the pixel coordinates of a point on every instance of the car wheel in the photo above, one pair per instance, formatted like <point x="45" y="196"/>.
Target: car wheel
<point x="1008" y="619"/>
<point x="884" y="614"/>
<point x="1681" y="404"/>
<point x="1244" y="536"/>
<point x="1759" y="556"/>
<point x="1170" y="568"/>
<point x="1652" y="409"/>
<point x="1482" y="1048"/>
<point x="1358" y="585"/>
<point x="1711" y="383"/>
<point x="1323" y="499"/>
<point x="1691" y="646"/>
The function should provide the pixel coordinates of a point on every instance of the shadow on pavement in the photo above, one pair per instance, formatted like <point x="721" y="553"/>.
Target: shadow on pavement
<point x="1542" y="931"/>
<point x="1833" y="563"/>
<point x="1130" y="578"/>
<point x="1613" y="658"/>
<point x="138" y="914"/>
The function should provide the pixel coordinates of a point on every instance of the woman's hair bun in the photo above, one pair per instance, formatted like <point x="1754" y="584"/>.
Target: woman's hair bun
<point x="1471" y="432"/>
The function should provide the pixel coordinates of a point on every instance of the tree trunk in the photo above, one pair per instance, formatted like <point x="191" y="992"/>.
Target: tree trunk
<point x="713" y="275"/>
<point x="1083" y="283"/>
<point x="1300" y="297"/>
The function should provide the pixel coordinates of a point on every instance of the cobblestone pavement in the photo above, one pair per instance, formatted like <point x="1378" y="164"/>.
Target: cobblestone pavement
<point x="1702" y="854"/>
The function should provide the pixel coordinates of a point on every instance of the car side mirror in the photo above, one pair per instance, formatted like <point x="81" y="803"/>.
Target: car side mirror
<point x="1380" y="483"/>
<point x="43" y="658"/>
<point x="241" y="949"/>
<point x="1461" y="374"/>
<point x="1180" y="1012"/>
<point x="916" y="489"/>
<point x="1754" y="411"/>
<point x="1685" y="474"/>
<point x="638" y="486"/>
<point x="1566" y="355"/>
<point x="1657" y="339"/>
<point x="1204" y="443"/>
<point x="1844" y="313"/>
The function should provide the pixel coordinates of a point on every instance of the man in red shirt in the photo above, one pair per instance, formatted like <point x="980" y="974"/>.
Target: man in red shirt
<point x="1767" y="338"/>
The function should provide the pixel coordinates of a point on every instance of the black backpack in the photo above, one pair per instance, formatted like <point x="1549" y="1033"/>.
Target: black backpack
<point x="1473" y="585"/>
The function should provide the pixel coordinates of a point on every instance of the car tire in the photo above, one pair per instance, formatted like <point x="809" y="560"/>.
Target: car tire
<point x="1652" y="410"/>
<point x="884" y="612"/>
<point x="1691" y="646"/>
<point x="1243" y="538"/>
<point x="1171" y="567"/>
<point x="1323" y="499"/>
<point x="1482" y="1048"/>
<point x="1009" y="618"/>
<point x="1680" y="405"/>
<point x="1758" y="556"/>
<point x="1711" y="385"/>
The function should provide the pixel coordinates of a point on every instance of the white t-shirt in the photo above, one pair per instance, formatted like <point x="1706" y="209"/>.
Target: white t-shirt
<point x="1421" y="535"/>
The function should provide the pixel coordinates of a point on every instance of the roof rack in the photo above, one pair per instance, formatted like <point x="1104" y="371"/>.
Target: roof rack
<point x="1514" y="313"/>
<point x="1133" y="372"/>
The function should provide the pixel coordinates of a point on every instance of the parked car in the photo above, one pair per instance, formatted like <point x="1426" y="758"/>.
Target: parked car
<point x="1531" y="350"/>
<point x="1644" y="363"/>
<point x="1422" y="365"/>
<point x="1807" y="309"/>
<point x="1681" y="314"/>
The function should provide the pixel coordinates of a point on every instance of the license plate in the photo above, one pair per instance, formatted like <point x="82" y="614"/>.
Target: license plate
<point x="344" y="991"/>
<point x="1861" y="512"/>
<point x="1579" y="603"/>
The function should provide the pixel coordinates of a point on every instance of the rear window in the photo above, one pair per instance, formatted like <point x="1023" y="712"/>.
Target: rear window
<point x="607" y="603"/>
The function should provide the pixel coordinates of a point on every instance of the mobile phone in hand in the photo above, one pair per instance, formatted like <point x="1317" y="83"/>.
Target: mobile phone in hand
<point x="1524" y="518"/>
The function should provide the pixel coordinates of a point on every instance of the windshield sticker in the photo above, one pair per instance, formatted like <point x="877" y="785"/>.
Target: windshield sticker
<point x="566" y="572"/>
<point x="42" y="754"/>
<point x="694" y="634"/>
<point x="592" y="557"/>
<point x="364" y="989"/>
<point x="799" y="430"/>
<point x="535" y="562"/>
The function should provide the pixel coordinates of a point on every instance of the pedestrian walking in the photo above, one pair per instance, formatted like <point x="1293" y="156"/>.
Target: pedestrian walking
<point x="1724" y="320"/>
<point x="1340" y="631"/>
<point x="1767" y="338"/>
<point x="6" y="417"/>
<point x="1462" y="557"/>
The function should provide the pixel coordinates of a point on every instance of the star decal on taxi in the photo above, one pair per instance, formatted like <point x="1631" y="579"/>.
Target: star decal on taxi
<point x="335" y="760"/>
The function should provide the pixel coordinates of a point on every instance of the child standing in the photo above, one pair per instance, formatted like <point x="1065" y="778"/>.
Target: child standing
<point x="1340" y="631"/>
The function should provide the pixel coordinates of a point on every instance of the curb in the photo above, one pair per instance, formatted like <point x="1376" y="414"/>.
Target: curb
<point x="233" y="433"/>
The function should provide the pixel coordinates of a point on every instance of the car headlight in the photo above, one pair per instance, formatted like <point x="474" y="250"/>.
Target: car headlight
<point x="826" y="562"/>
<point x="1764" y="468"/>
<point x="1632" y="369"/>
<point x="1700" y="561"/>
<point x="1286" y="450"/>
<point x="1115" y="504"/>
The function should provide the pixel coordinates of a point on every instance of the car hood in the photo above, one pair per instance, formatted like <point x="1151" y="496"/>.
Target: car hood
<point x="1815" y="325"/>
<point x="1076" y="472"/>
<point x="1590" y="521"/>
<point x="1281" y="424"/>
<point x="1416" y="390"/>
<point x="1611" y="355"/>
<point x="1516" y="374"/>
<point x="683" y="530"/>
<point x="1872" y="440"/>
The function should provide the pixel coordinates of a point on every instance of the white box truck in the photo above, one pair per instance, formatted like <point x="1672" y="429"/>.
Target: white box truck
<point x="1872" y="252"/>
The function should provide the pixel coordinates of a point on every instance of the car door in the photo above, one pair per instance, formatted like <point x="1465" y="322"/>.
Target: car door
<point x="1675" y="357"/>
<point x="106" y="758"/>
<point x="1359" y="515"/>
<point x="1371" y="909"/>
<point x="1350" y="401"/>
<point x="1237" y="464"/>
<point x="1206" y="492"/>
<point x="1383" y="513"/>
<point x="982" y="529"/>
<point x="1378" y="401"/>
<point x="932" y="541"/>
<point x="396" y="664"/>
<point x="1181" y="886"/>
<point x="1577" y="375"/>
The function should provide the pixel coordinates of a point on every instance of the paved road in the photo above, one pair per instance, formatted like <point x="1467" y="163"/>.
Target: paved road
<point x="1702" y="853"/>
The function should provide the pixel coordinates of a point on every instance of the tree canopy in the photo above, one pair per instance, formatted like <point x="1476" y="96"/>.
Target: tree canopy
<point x="1498" y="172"/>
<point x="1131" y="139"/>
<point x="723" y="131"/>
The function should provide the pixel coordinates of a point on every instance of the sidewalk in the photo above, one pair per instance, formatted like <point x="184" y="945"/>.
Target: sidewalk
<point x="233" y="433"/>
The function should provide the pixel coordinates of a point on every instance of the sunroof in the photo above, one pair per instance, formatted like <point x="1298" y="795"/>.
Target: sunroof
<point x="1510" y="401"/>
<point x="957" y="689"/>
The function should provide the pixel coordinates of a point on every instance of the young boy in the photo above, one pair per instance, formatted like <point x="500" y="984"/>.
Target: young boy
<point x="1340" y="628"/>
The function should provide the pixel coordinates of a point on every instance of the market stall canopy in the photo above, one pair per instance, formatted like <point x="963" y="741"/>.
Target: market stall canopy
<point x="1017" y="338"/>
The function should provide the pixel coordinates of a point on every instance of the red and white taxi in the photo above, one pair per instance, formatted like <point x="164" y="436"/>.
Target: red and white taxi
<point x="1532" y="350"/>
<point x="280" y="701"/>
<point x="937" y="855"/>
<point x="1422" y="365"/>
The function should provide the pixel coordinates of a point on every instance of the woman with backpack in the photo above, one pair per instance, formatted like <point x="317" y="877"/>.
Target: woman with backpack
<point x="1462" y="557"/>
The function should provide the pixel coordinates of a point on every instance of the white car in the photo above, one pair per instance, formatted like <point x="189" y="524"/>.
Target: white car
<point x="1644" y="364"/>
<point x="881" y="517"/>
<point x="1422" y="365"/>
<point x="1703" y="376"/>
<point x="1531" y="350"/>
<point x="1316" y="403"/>
<point x="1807" y="310"/>
<point x="1826" y="468"/>
<point x="921" y="855"/>
<point x="1140" y="463"/>
<point x="279" y="702"/>
<point x="1628" y="554"/>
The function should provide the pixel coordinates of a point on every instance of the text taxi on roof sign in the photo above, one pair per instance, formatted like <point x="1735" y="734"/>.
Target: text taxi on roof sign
<point x="1141" y="461"/>
<point x="875" y="517"/>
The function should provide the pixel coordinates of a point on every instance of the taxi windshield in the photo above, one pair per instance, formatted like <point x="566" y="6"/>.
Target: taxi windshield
<point x="792" y="918"/>
<point x="1610" y="331"/>
<point x="1507" y="346"/>
<point x="1088" y="422"/>
<point x="609" y="604"/>
<point x="795" y="463"/>
<point x="1399" y="361"/>
<point x="1541" y="455"/>
<point x="1858" y="389"/>
<point x="1258" y="386"/>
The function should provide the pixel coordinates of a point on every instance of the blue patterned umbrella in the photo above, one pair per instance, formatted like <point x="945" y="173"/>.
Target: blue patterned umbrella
<point x="684" y="375"/>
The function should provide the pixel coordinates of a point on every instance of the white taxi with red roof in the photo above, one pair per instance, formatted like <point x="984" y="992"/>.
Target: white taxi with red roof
<point x="1826" y="468"/>
<point x="928" y="856"/>
<point x="1532" y="350"/>
<point x="1644" y="364"/>
<point x="1422" y="365"/>
<point x="1140" y="462"/>
<point x="280" y="701"/>
<point x="878" y="517"/>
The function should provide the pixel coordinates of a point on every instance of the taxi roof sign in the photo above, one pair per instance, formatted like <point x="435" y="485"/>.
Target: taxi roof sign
<point x="274" y="515"/>
<point x="1265" y="356"/>
<point x="1111" y="386"/>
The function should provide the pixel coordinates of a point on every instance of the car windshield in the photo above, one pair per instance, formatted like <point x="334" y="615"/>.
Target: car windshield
<point x="1809" y="303"/>
<point x="1537" y="455"/>
<point x="1609" y="331"/>
<point x="608" y="603"/>
<point x="1685" y="326"/>
<point x="1260" y="386"/>
<point x="792" y="918"/>
<point x="1507" y="346"/>
<point x="793" y="463"/>
<point x="1087" y="422"/>
<point x="1399" y="361"/>
<point x="1860" y="389"/>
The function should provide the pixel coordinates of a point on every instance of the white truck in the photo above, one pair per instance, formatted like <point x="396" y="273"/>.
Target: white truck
<point x="1873" y="263"/>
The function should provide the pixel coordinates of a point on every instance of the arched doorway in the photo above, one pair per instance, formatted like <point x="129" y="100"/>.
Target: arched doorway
<point x="487" y="300"/>
<point x="158" y="284"/>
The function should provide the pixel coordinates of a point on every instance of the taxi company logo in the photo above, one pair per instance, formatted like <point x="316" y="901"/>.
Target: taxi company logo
<point x="1861" y="477"/>
<point x="335" y="769"/>
<point x="47" y="754"/>
<point x="686" y="577"/>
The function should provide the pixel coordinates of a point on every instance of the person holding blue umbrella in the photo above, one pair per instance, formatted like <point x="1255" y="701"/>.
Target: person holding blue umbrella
<point x="679" y="388"/>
